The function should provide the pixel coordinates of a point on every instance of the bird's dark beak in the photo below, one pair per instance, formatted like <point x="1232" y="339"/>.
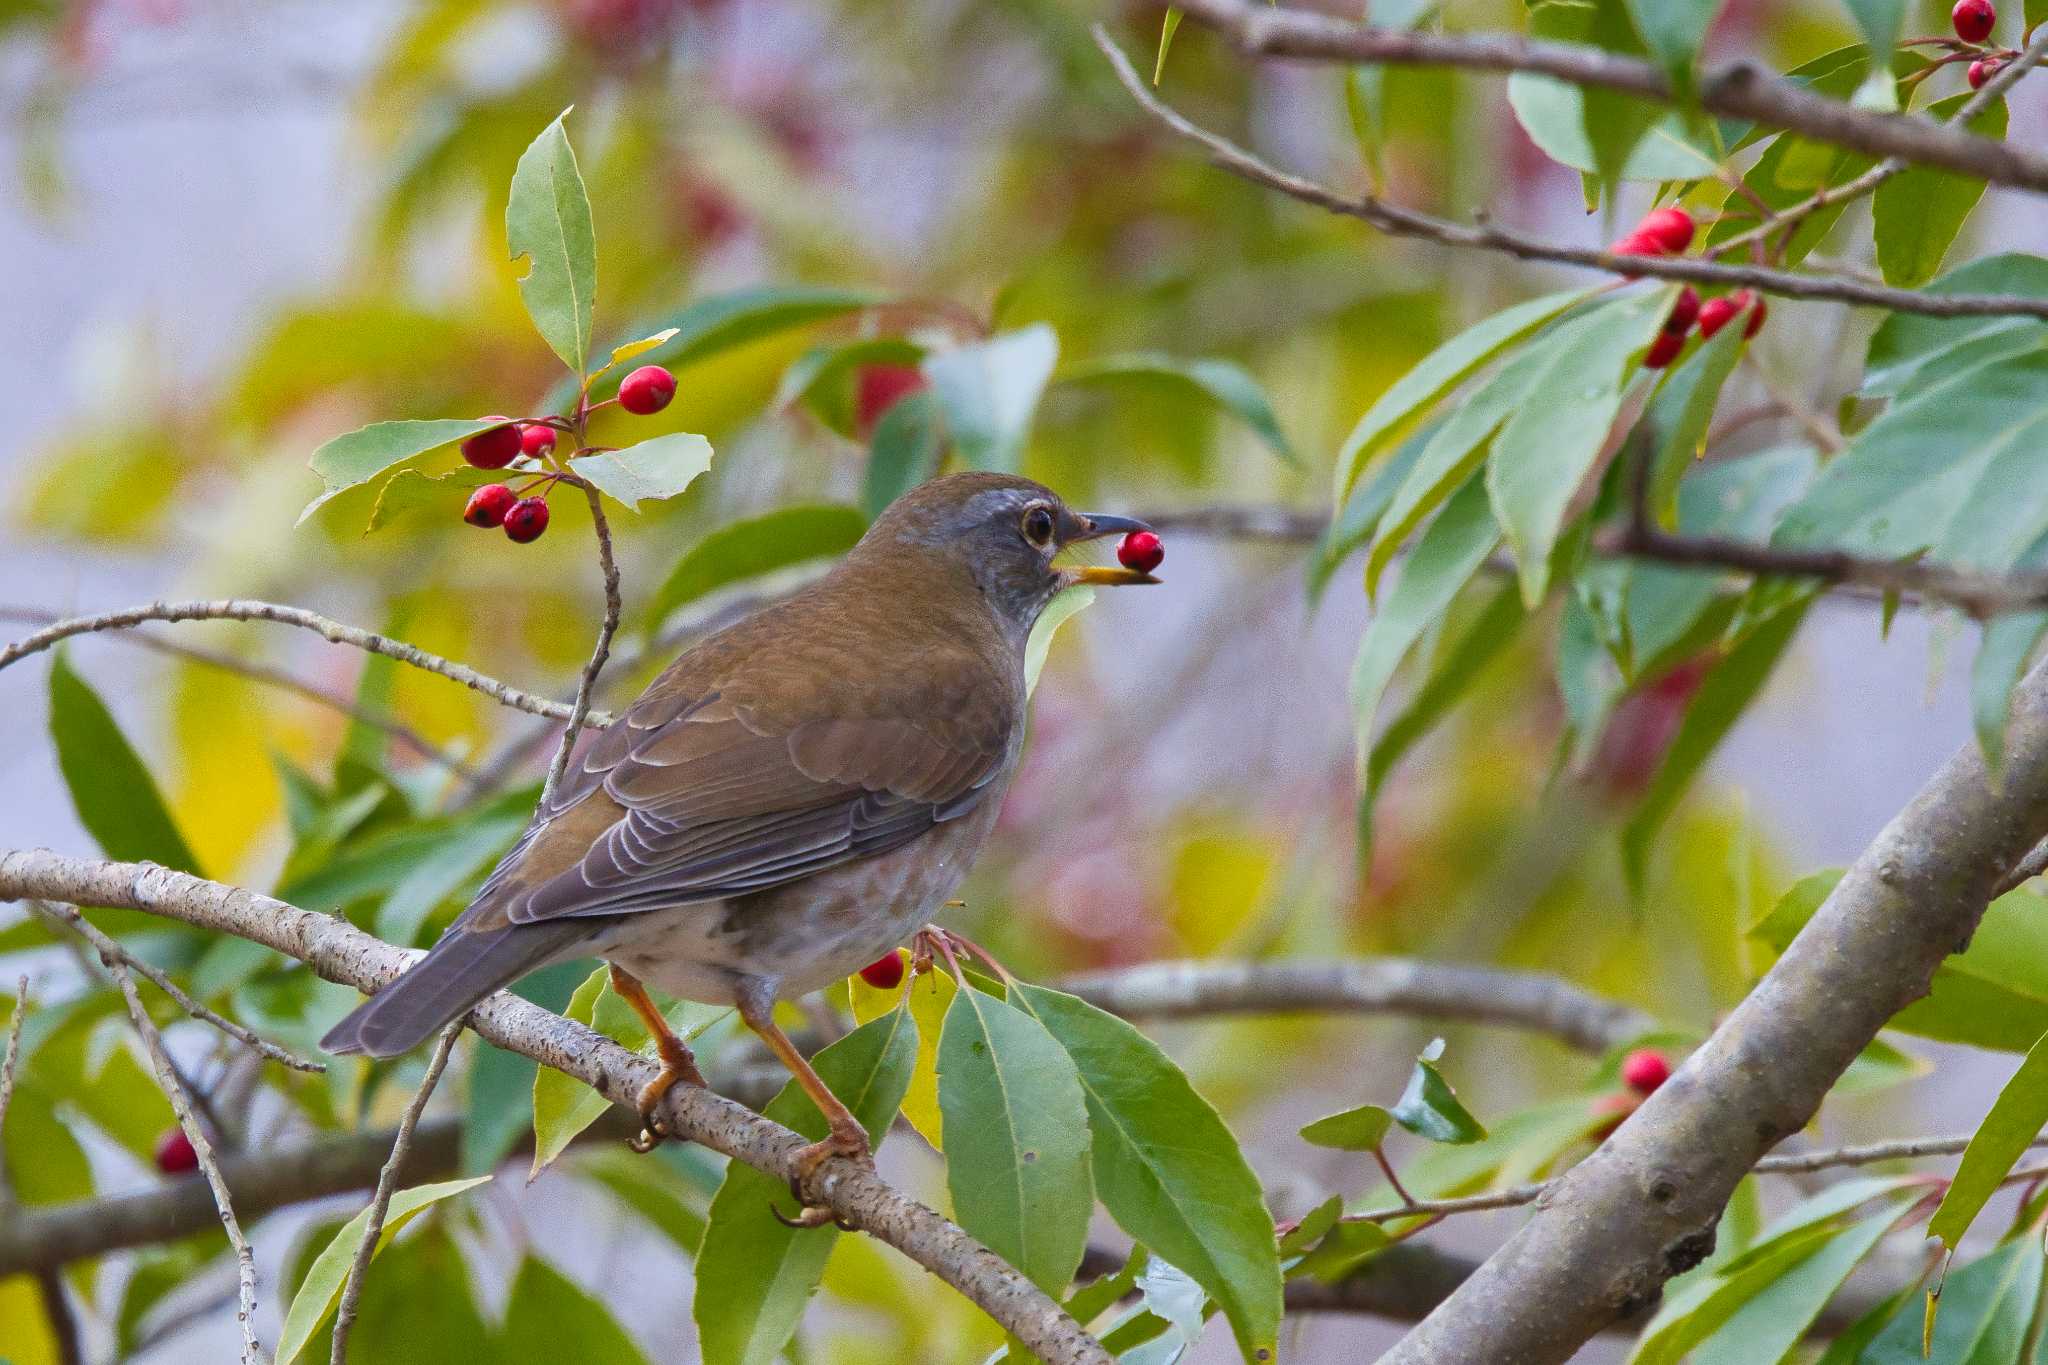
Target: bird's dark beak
<point x="1094" y="526"/>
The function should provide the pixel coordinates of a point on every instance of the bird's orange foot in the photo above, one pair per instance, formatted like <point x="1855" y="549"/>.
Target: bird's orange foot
<point x="847" y="1141"/>
<point x="677" y="1064"/>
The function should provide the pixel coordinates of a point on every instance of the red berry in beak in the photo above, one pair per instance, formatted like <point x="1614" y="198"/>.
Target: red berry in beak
<point x="647" y="390"/>
<point x="536" y="439"/>
<point x="884" y="973"/>
<point x="1140" y="550"/>
<point x="495" y="448"/>
<point x="526" y="519"/>
<point x="174" y="1154"/>
<point x="1644" y="1070"/>
<point x="488" y="505"/>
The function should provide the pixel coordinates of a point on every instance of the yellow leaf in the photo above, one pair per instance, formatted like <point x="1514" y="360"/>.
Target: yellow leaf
<point x="23" y="1325"/>
<point x="928" y="996"/>
<point x="622" y="354"/>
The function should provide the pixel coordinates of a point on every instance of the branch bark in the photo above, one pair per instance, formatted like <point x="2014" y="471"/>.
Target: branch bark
<point x="1739" y="89"/>
<point x="338" y="951"/>
<point x="1643" y="1207"/>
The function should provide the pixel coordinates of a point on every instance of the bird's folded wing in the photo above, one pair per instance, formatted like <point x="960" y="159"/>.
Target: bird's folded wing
<point x="699" y="799"/>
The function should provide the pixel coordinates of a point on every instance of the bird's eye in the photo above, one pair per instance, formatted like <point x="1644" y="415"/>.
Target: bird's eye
<point x="1038" y="526"/>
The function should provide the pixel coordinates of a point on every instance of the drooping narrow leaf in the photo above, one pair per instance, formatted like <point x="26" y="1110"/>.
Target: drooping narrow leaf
<point x="2016" y="1118"/>
<point x="2008" y="642"/>
<point x="547" y="220"/>
<point x="656" y="469"/>
<point x="116" y="799"/>
<point x="988" y="391"/>
<point x="1168" y="26"/>
<point x="903" y="452"/>
<point x="1018" y="1164"/>
<point x="1692" y="1312"/>
<point x="1679" y="414"/>
<point x="1672" y="30"/>
<point x="1548" y="447"/>
<point x="1398" y="411"/>
<point x="1223" y="382"/>
<point x="1167" y="1168"/>
<point x="1429" y="1108"/>
<point x="1985" y="1308"/>
<point x="757" y="545"/>
<point x="1917" y="213"/>
<point x="1360" y="516"/>
<point x="356" y="457"/>
<point x="754" y="1276"/>
<point x="321" y="1289"/>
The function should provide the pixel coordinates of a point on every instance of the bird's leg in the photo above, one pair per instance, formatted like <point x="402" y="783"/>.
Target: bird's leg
<point x="677" y="1061"/>
<point x="846" y="1137"/>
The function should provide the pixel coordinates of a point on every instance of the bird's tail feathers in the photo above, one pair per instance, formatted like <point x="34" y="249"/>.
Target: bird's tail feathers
<point x="463" y="968"/>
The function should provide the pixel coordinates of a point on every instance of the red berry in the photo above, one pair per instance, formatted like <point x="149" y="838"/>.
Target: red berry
<point x="488" y="505"/>
<point x="1664" y="350"/>
<point x="1620" y="1105"/>
<point x="1140" y="550"/>
<point x="877" y="388"/>
<point x="1644" y="1070"/>
<point x="1714" y="313"/>
<point x="1670" y="227"/>
<point x="174" y="1154"/>
<point x="1973" y="19"/>
<point x="494" y="448"/>
<point x="536" y="439"/>
<point x="647" y="390"/>
<point x="884" y="973"/>
<point x="526" y="519"/>
<point x="1684" y="312"/>
<point x="1756" y="318"/>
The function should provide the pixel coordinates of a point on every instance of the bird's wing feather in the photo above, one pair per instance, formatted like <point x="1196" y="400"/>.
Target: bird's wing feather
<point x="699" y="798"/>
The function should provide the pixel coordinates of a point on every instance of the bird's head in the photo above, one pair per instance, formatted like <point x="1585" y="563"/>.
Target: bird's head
<point x="1005" y="532"/>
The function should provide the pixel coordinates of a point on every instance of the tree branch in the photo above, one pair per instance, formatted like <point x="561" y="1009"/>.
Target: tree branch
<point x="338" y="951"/>
<point x="1643" y="1206"/>
<point x="1739" y="89"/>
<point x="1428" y="990"/>
<point x="580" y="710"/>
<point x="1403" y="222"/>
<point x="242" y="609"/>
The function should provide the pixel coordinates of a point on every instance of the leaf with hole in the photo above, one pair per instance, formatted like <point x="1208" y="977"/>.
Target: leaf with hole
<point x="547" y="220"/>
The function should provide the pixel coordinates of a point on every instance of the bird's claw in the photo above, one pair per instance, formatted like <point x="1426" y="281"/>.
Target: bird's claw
<point x="811" y="1216"/>
<point x="853" y="1145"/>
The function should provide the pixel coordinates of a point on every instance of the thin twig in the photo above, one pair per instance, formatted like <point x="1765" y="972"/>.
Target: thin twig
<point x="387" y="1183"/>
<point x="242" y="609"/>
<point x="1403" y="222"/>
<point x="1739" y="89"/>
<point x="2024" y="871"/>
<point x="62" y="1320"/>
<point x="580" y="710"/>
<point x="68" y="916"/>
<point x="7" y="1070"/>
<point x="202" y="1149"/>
<point x="1787" y="220"/>
<point x="271" y="677"/>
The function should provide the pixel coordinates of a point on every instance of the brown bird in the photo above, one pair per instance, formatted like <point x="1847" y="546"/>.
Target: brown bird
<point x="790" y="800"/>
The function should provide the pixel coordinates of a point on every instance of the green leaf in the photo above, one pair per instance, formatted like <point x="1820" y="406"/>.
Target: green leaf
<point x="1679" y="414"/>
<point x="356" y="457"/>
<point x="1017" y="1168"/>
<point x="498" y="1102"/>
<point x="2008" y="643"/>
<point x="1975" y="506"/>
<point x="564" y="1106"/>
<point x="1918" y="212"/>
<point x="1547" y="448"/>
<point x="903" y="452"/>
<point x="816" y="377"/>
<point x="547" y="220"/>
<point x="1398" y="411"/>
<point x="1063" y="608"/>
<point x="116" y="798"/>
<point x="1429" y="1108"/>
<point x="417" y="1306"/>
<point x="1694" y="1311"/>
<point x="1907" y="343"/>
<point x="1719" y="703"/>
<point x="321" y="1289"/>
<point x="1343" y="1249"/>
<point x="2016" y="1119"/>
<point x="1994" y="994"/>
<point x="1314" y="1225"/>
<point x="656" y="469"/>
<point x="1360" y="517"/>
<point x="747" y="549"/>
<point x="1351" y="1130"/>
<point x="651" y="1190"/>
<point x="1879" y="21"/>
<point x="1672" y="30"/>
<point x="1985" y="1309"/>
<point x="459" y="857"/>
<point x="929" y="995"/>
<point x="1225" y="383"/>
<point x="1167" y="1168"/>
<point x="1169" y="26"/>
<point x="1788" y="173"/>
<point x="549" y="1319"/>
<point x="988" y="391"/>
<point x="754" y="1275"/>
<point x="1444" y="560"/>
<point x="633" y="349"/>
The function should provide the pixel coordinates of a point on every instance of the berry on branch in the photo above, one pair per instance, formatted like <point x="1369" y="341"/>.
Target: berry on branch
<point x="494" y="448"/>
<point x="488" y="505"/>
<point x="1664" y="349"/>
<point x="536" y="439"/>
<point x="647" y="390"/>
<point x="1974" y="19"/>
<point x="1140" y="550"/>
<point x="1684" y="312"/>
<point x="526" y="519"/>
<point x="884" y="973"/>
<point x="1715" y="313"/>
<point x="1670" y="227"/>
<point x="1644" y="1070"/>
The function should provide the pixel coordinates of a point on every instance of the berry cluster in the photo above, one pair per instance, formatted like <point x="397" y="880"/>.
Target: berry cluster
<point x="1668" y="232"/>
<point x="523" y="514"/>
<point x="1972" y="21"/>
